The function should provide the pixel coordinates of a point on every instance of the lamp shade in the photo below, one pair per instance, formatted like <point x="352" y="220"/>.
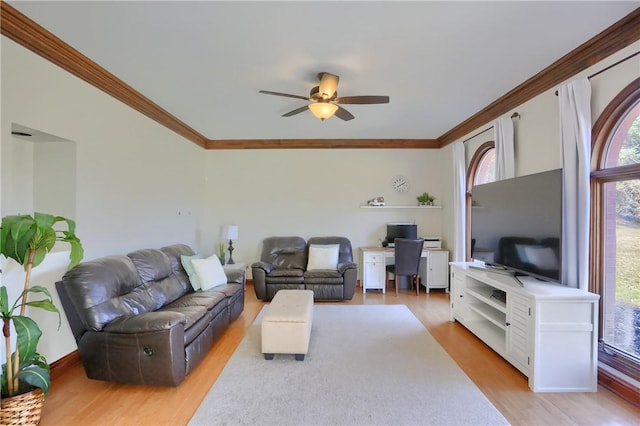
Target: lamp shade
<point x="230" y="232"/>
<point x="328" y="85"/>
<point x="323" y="110"/>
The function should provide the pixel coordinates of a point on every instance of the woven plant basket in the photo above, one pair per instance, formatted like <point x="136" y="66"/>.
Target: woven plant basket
<point x="23" y="409"/>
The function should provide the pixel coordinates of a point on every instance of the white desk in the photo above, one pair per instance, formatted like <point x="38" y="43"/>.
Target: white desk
<point x="434" y="268"/>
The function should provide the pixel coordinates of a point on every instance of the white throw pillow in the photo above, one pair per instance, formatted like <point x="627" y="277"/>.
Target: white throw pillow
<point x="323" y="257"/>
<point x="210" y="272"/>
<point x="541" y="257"/>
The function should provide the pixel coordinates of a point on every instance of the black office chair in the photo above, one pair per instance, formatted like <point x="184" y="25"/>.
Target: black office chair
<point x="407" y="263"/>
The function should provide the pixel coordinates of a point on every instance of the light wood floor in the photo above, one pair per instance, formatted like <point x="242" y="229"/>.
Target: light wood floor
<point x="76" y="400"/>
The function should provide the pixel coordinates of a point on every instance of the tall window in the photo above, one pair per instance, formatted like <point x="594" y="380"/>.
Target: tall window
<point x="616" y="229"/>
<point x="482" y="169"/>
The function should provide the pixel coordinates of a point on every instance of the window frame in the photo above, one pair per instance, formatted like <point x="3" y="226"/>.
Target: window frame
<point x="474" y="165"/>
<point x="602" y="133"/>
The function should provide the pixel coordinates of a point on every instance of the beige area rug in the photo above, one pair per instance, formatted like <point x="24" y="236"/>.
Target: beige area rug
<point x="367" y="365"/>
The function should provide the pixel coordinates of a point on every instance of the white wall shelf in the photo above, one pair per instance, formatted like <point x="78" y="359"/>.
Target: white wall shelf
<point x="400" y="207"/>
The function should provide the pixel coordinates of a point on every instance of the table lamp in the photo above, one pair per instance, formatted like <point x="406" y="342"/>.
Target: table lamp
<point x="230" y="232"/>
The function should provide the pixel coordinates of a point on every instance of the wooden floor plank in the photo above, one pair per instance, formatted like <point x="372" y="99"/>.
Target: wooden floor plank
<point x="76" y="400"/>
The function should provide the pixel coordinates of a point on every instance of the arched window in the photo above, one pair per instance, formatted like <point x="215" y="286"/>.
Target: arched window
<point x="482" y="169"/>
<point x="485" y="170"/>
<point x="615" y="230"/>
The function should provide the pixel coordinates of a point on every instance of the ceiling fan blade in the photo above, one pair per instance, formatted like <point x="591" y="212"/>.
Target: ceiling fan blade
<point x="286" y="95"/>
<point x="362" y="100"/>
<point x="343" y="114"/>
<point x="296" y="111"/>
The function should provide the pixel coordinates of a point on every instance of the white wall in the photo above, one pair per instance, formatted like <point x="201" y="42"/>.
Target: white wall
<point x="316" y="193"/>
<point x="537" y="132"/>
<point x="138" y="184"/>
<point x="54" y="172"/>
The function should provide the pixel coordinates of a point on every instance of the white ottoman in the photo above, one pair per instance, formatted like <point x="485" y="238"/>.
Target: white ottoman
<point x="286" y="326"/>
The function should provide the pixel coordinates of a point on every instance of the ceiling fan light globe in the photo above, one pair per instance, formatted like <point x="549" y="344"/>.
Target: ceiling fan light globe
<point x="323" y="110"/>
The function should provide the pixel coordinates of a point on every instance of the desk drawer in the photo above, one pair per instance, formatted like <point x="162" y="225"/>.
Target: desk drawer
<point x="374" y="257"/>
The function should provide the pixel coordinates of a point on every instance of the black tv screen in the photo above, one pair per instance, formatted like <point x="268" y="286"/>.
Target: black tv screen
<point x="517" y="224"/>
<point x="401" y="230"/>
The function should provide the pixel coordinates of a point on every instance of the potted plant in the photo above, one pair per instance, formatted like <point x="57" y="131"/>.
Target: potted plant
<point x="221" y="252"/>
<point x="425" y="199"/>
<point x="25" y="375"/>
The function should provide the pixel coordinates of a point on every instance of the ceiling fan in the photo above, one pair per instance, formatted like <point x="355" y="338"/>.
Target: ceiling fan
<point x="324" y="99"/>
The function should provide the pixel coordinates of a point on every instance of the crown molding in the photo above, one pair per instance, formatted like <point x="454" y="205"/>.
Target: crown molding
<point x="618" y="36"/>
<point x="323" y="144"/>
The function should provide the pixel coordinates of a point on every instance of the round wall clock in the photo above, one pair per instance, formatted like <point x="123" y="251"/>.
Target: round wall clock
<point x="400" y="183"/>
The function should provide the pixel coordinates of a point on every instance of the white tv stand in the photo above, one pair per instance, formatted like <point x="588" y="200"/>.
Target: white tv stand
<point x="547" y="331"/>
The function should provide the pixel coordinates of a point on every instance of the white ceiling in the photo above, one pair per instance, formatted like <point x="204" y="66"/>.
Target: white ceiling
<point x="440" y="62"/>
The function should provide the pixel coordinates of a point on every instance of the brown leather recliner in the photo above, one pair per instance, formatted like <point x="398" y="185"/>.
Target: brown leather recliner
<point x="136" y="318"/>
<point x="283" y="265"/>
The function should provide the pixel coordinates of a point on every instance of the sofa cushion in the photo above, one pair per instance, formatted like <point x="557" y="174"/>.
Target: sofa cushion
<point x="346" y="253"/>
<point x="174" y="252"/>
<point x="286" y="273"/>
<point x="323" y="277"/>
<point x="226" y="290"/>
<point x="210" y="272"/>
<point x="155" y="271"/>
<point x="192" y="314"/>
<point x="205" y="299"/>
<point x="151" y="264"/>
<point x="197" y="319"/>
<point x="323" y="256"/>
<point x="104" y="289"/>
<point x="284" y="280"/>
<point x="285" y="252"/>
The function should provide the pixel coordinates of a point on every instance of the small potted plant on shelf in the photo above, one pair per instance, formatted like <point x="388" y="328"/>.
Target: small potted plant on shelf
<point x="425" y="199"/>
<point x="25" y="375"/>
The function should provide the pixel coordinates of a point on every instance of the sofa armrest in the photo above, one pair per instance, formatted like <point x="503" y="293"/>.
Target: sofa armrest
<point x="236" y="276"/>
<point x="150" y="321"/>
<point x="344" y="266"/>
<point x="148" y="358"/>
<point x="259" y="277"/>
<point x="265" y="266"/>
<point x="350" y="277"/>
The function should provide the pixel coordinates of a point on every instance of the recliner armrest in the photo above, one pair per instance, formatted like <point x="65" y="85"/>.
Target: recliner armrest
<point x="266" y="267"/>
<point x="149" y="321"/>
<point x="344" y="266"/>
<point x="235" y="276"/>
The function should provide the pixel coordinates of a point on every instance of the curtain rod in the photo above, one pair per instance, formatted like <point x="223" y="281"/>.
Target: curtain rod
<point x="610" y="66"/>
<point x="514" y="115"/>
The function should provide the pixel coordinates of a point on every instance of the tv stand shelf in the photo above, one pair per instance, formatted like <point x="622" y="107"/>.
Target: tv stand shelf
<point x="490" y="314"/>
<point x="484" y="295"/>
<point x="547" y="331"/>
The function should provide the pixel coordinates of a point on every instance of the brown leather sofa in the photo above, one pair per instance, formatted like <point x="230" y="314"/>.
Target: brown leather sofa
<point x="283" y="265"/>
<point x="136" y="318"/>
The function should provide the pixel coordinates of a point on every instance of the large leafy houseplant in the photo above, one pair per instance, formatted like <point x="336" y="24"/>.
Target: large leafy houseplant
<point x="27" y="239"/>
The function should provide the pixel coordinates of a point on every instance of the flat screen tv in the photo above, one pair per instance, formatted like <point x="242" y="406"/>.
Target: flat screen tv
<point x="516" y="224"/>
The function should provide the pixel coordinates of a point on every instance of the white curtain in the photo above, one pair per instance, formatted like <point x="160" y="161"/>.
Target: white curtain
<point x="505" y="158"/>
<point x="575" y="136"/>
<point x="459" y="202"/>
